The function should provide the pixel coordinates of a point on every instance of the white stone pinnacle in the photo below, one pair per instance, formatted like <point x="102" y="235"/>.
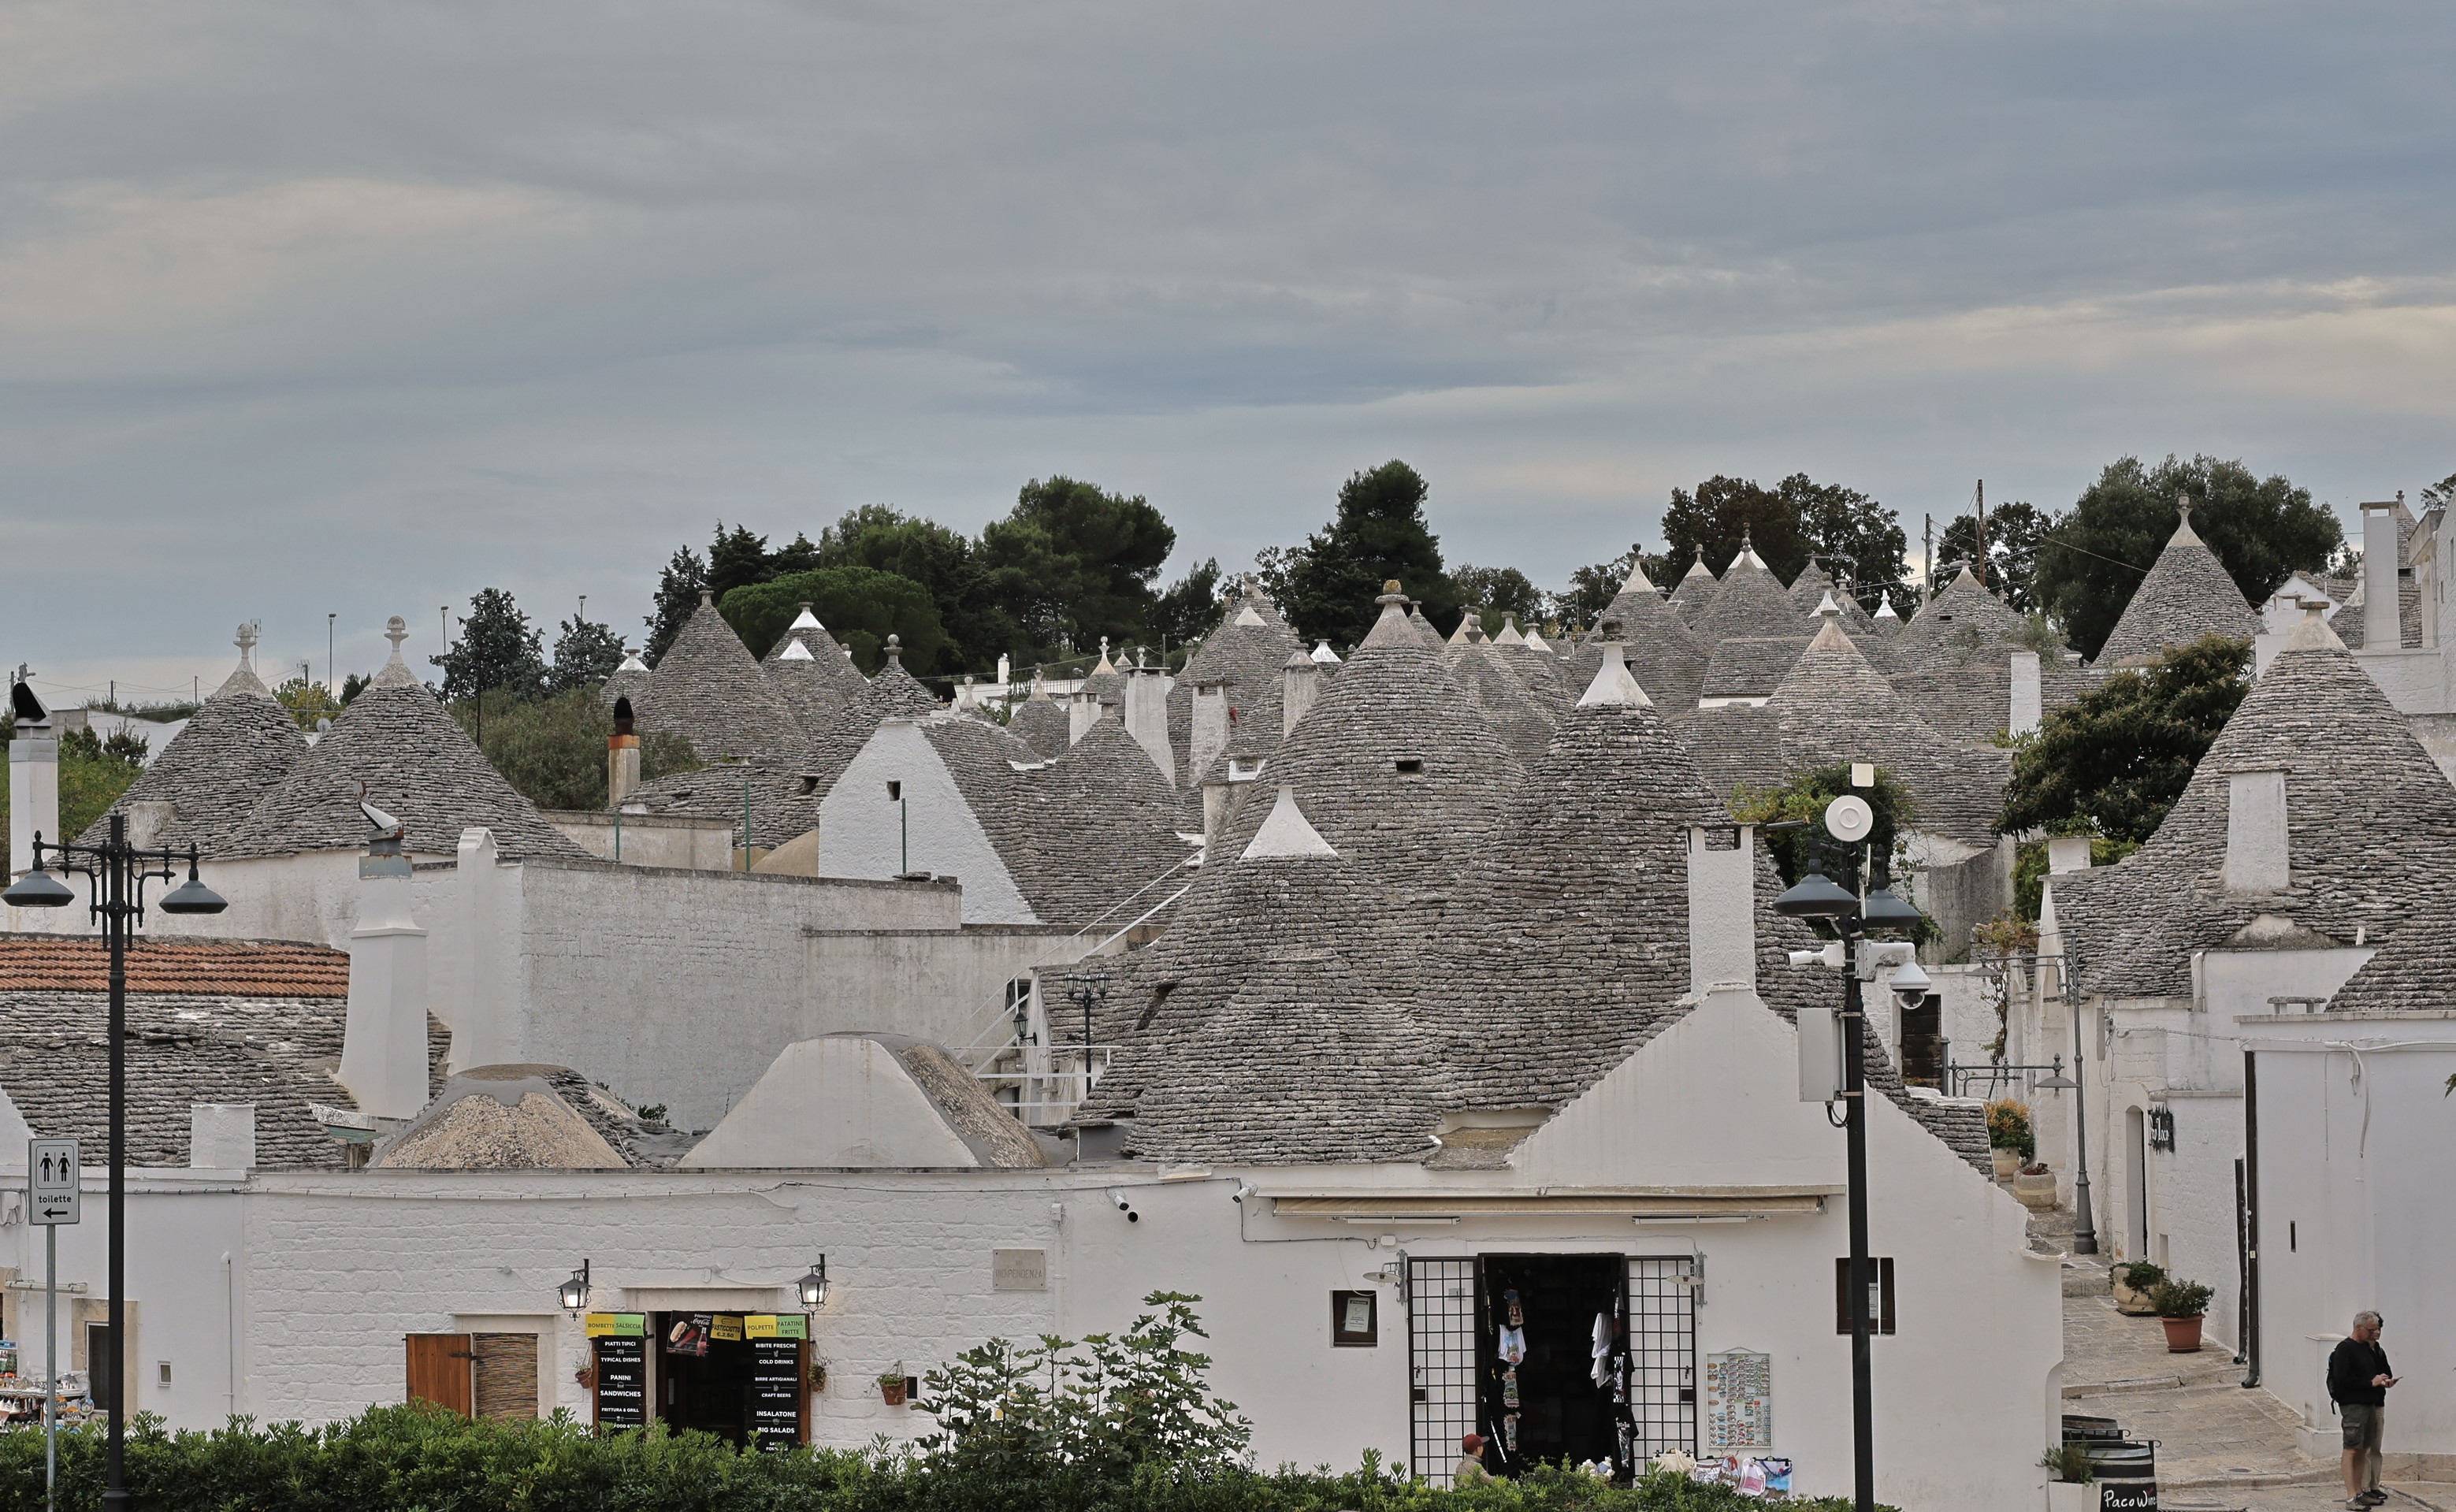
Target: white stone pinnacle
<point x="1286" y="834"/>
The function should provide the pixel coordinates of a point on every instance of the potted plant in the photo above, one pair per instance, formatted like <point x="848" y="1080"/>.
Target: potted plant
<point x="2070" y="1478"/>
<point x="2035" y="1187"/>
<point x="2009" y="1137"/>
<point x="2181" y="1306"/>
<point x="891" y="1385"/>
<point x="2133" y="1280"/>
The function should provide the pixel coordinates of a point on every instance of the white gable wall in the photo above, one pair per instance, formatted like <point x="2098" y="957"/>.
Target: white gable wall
<point x="864" y="833"/>
<point x="845" y="1102"/>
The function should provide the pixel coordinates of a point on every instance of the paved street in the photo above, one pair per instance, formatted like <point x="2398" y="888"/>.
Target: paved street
<point x="2220" y="1446"/>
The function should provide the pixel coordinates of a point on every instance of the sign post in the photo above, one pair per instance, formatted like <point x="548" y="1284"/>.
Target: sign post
<point x="54" y="1192"/>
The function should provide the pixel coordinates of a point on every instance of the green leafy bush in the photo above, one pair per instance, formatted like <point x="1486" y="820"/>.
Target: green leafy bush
<point x="2141" y="1276"/>
<point x="424" y="1458"/>
<point x="2173" y="1298"/>
<point x="2069" y="1462"/>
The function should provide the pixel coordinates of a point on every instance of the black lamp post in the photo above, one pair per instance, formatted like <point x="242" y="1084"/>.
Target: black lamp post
<point x="1816" y="897"/>
<point x="116" y="875"/>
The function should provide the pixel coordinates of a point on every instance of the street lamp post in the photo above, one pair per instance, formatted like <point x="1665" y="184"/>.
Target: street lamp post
<point x="116" y="875"/>
<point x="2084" y="1219"/>
<point x="1851" y="915"/>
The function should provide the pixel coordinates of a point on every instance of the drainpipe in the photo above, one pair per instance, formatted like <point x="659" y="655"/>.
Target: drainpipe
<point x="2251" y="1214"/>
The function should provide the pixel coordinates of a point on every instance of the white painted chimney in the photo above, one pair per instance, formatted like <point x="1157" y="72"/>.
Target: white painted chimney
<point x="1215" y="793"/>
<point x="2029" y="695"/>
<point x="34" y="780"/>
<point x="1209" y="733"/>
<point x="221" y="1136"/>
<point x="2383" y="621"/>
<point x="1722" y="908"/>
<point x="622" y="756"/>
<point x="2066" y="853"/>
<point x="482" y="1032"/>
<point x="1304" y="684"/>
<point x="2256" y="844"/>
<point x="1147" y="716"/>
<point x="384" y="1040"/>
<point x="1082" y="714"/>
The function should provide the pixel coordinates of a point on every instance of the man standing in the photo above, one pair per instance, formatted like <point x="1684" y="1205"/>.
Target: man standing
<point x="2358" y="1382"/>
<point x="1470" y="1470"/>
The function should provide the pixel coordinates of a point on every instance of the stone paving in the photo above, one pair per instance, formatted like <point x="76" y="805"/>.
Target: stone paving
<point x="2221" y="1447"/>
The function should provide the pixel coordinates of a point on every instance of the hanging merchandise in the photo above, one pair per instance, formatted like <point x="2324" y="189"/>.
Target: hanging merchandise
<point x="1777" y="1474"/>
<point x="1513" y="1345"/>
<point x="1513" y="1308"/>
<point x="1509" y="1435"/>
<point x="1509" y="1387"/>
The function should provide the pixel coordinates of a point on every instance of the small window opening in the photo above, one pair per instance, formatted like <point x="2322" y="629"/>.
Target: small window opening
<point x="2290" y="1245"/>
<point x="1408" y="765"/>
<point x="895" y="792"/>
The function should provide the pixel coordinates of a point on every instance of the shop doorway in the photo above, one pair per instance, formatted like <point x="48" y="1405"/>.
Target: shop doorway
<point x="1505" y="1346"/>
<point x="716" y="1373"/>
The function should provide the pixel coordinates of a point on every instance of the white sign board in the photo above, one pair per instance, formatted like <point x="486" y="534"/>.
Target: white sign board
<point x="1018" y="1270"/>
<point x="1739" y="1402"/>
<point x="52" y="1180"/>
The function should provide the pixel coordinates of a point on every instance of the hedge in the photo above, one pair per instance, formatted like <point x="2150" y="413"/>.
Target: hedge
<point x="423" y="1459"/>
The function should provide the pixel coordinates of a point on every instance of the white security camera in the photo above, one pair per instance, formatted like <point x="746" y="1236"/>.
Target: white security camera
<point x="1125" y="1207"/>
<point x="1911" y="985"/>
<point x="1244" y="1190"/>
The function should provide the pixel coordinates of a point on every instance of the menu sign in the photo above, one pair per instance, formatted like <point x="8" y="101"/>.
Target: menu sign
<point x="621" y="1380"/>
<point x="775" y="1394"/>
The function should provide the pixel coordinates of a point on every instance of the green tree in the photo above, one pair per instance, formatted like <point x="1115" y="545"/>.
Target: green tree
<point x="1594" y="587"/>
<point x="2441" y="494"/>
<point x="2098" y="550"/>
<point x="2115" y="760"/>
<point x="1326" y="586"/>
<point x="2013" y="532"/>
<point x="1072" y="562"/>
<point x="94" y="772"/>
<point x="678" y="591"/>
<point x="860" y="608"/>
<point x="308" y="701"/>
<point x="1858" y="538"/>
<point x="1497" y="591"/>
<point x="1190" y="607"/>
<point x="552" y="750"/>
<point x="737" y="559"/>
<point x="946" y="562"/>
<point x="497" y="651"/>
<point x="586" y="654"/>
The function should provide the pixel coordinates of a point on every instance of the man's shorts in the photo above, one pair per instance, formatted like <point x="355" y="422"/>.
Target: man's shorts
<point x="2361" y="1423"/>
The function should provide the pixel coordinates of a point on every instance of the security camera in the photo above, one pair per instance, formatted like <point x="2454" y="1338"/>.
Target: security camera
<point x="1244" y="1190"/>
<point x="1911" y="985"/>
<point x="1125" y="1207"/>
<point x="1829" y="956"/>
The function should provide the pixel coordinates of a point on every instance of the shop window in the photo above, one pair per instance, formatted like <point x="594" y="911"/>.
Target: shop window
<point x="1880" y="1296"/>
<point x="1354" y="1320"/>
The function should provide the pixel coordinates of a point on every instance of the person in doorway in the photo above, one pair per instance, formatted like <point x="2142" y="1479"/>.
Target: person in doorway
<point x="2358" y="1382"/>
<point x="1470" y="1469"/>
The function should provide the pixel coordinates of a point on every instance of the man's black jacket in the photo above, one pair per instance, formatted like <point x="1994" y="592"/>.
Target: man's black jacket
<point x="2351" y="1365"/>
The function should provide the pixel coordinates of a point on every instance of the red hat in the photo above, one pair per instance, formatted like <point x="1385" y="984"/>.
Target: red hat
<point x="1471" y="1443"/>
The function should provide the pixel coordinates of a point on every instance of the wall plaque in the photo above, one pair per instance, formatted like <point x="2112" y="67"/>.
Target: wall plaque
<point x="1018" y="1270"/>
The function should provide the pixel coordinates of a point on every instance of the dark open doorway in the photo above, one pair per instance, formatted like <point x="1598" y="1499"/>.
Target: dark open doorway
<point x="1552" y="1310"/>
<point x="710" y="1392"/>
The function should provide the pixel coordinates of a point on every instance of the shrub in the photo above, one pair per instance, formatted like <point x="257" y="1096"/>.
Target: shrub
<point x="2008" y="1126"/>
<point x="2141" y="1276"/>
<point x="2070" y="1463"/>
<point x="2173" y="1299"/>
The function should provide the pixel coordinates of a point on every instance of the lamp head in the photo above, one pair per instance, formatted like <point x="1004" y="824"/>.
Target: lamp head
<point x="37" y="889"/>
<point x="813" y="1285"/>
<point x="575" y="1290"/>
<point x="1885" y="911"/>
<point x="1814" y="897"/>
<point x="192" y="896"/>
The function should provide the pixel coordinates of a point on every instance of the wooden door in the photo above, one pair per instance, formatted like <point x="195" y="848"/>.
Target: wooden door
<point x="439" y="1370"/>
<point x="505" y="1369"/>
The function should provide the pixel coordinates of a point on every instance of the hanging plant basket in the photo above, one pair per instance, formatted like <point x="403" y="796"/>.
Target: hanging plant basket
<point x="891" y="1387"/>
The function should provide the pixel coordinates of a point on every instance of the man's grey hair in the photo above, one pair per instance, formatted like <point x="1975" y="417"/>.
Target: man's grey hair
<point x="2360" y="1318"/>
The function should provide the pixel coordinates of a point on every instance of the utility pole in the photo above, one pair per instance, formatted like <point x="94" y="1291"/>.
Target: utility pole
<point x="330" y="686"/>
<point x="1982" y="530"/>
<point x="1927" y="562"/>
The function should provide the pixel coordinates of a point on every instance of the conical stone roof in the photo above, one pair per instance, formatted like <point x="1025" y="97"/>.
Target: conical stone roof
<point x="1502" y="698"/>
<point x="1694" y="590"/>
<point x="1249" y="649"/>
<point x="416" y="762"/>
<point x="1834" y="708"/>
<point x="2187" y="595"/>
<point x="896" y="691"/>
<point x="1748" y="601"/>
<point x="1964" y="618"/>
<point x="810" y="674"/>
<point x="708" y="688"/>
<point x="1039" y="722"/>
<point x="2370" y="823"/>
<point x="233" y="751"/>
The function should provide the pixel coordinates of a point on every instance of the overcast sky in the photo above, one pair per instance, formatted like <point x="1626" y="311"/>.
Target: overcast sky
<point x="356" y="308"/>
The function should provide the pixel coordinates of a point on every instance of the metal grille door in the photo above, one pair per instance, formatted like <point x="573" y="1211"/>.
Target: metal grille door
<point x="1442" y="1325"/>
<point x="1662" y="1357"/>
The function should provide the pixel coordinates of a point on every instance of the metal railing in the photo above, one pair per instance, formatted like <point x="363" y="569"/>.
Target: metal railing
<point x="1996" y="1079"/>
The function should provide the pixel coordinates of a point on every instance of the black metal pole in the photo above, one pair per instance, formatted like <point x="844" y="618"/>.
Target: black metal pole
<point x="2084" y="1219"/>
<point x="115" y="928"/>
<point x="1854" y="1083"/>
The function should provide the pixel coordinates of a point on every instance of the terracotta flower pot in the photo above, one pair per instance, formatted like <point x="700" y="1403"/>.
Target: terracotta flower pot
<point x="2182" y="1334"/>
<point x="2008" y="1164"/>
<point x="891" y="1392"/>
<point x="2036" y="1193"/>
